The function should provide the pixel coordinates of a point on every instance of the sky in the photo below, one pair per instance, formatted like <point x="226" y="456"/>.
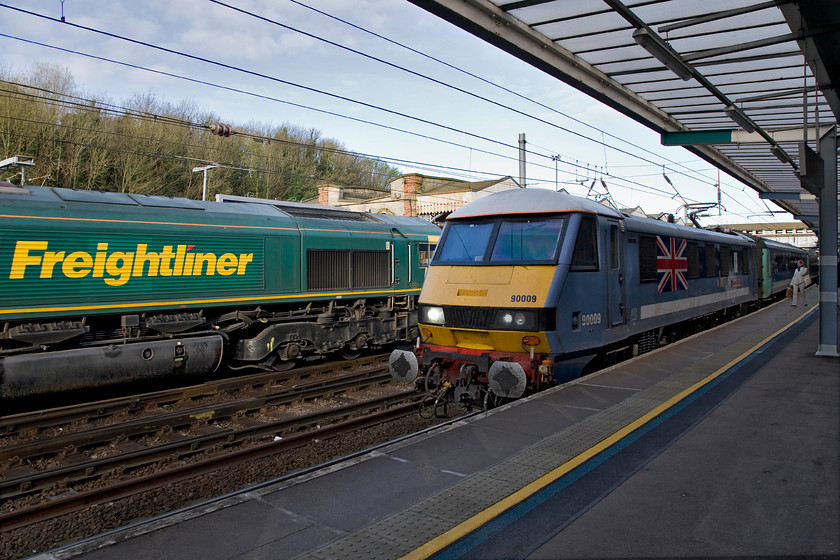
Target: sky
<point x="441" y="102"/>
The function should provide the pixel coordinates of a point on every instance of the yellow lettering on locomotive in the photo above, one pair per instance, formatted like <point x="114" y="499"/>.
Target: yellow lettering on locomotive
<point x="244" y="259"/>
<point x="99" y="260"/>
<point x="77" y="265"/>
<point x="205" y="258"/>
<point x="22" y="259"/>
<point x="142" y="258"/>
<point x="226" y="265"/>
<point x="50" y="260"/>
<point x="166" y="257"/>
<point x="116" y="268"/>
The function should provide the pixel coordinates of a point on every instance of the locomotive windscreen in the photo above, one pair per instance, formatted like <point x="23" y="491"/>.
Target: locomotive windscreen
<point x="501" y="241"/>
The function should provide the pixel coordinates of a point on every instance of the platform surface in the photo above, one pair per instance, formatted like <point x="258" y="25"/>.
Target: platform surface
<point x="725" y="444"/>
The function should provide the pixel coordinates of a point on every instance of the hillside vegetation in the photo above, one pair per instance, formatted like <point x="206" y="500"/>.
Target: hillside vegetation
<point x="149" y="146"/>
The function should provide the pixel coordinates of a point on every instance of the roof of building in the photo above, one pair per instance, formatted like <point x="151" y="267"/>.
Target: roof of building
<point x="767" y="226"/>
<point x="442" y="185"/>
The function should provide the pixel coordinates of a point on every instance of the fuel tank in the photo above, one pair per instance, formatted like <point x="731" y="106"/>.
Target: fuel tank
<point x="27" y="374"/>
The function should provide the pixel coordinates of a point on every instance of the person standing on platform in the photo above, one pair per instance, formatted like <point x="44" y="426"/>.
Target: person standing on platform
<point x="799" y="282"/>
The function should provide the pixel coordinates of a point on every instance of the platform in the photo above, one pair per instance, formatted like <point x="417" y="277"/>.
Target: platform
<point x="724" y="444"/>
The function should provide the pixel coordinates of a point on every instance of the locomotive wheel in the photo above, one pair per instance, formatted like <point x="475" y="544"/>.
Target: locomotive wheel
<point x="354" y="349"/>
<point x="348" y="354"/>
<point x="282" y="366"/>
<point x="275" y="363"/>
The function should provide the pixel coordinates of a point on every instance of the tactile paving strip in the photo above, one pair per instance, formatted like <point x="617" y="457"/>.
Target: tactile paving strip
<point x="409" y="529"/>
<point x="364" y="544"/>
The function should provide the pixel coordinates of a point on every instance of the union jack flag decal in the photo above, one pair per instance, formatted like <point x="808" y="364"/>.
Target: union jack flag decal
<point x="671" y="264"/>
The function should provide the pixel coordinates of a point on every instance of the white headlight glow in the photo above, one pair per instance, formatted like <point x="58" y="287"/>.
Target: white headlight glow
<point x="435" y="315"/>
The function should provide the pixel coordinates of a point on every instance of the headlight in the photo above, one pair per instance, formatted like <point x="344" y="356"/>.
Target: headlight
<point x="432" y="315"/>
<point x="516" y="320"/>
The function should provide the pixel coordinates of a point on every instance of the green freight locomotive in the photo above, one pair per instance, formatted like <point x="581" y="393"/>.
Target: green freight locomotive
<point x="100" y="287"/>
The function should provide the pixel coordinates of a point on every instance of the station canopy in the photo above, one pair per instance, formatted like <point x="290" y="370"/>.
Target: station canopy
<point x="741" y="83"/>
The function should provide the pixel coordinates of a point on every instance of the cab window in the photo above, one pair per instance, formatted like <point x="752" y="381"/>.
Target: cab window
<point x="585" y="256"/>
<point x="531" y="240"/>
<point x="503" y="240"/>
<point x="425" y="250"/>
<point x="465" y="242"/>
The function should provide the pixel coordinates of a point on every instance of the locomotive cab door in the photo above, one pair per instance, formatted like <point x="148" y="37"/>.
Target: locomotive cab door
<point x="615" y="274"/>
<point x="400" y="259"/>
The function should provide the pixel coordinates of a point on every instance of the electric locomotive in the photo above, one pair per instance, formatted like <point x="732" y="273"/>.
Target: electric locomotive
<point x="529" y="288"/>
<point x="100" y="287"/>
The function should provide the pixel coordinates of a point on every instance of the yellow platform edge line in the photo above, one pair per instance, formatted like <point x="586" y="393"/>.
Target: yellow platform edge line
<point x="465" y="527"/>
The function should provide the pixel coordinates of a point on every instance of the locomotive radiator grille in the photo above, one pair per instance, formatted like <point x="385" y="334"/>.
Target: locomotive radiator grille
<point x="370" y="269"/>
<point x="470" y="317"/>
<point x="483" y="318"/>
<point x="329" y="269"/>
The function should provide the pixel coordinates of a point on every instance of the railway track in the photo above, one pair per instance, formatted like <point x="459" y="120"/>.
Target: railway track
<point x="61" y="461"/>
<point x="45" y="423"/>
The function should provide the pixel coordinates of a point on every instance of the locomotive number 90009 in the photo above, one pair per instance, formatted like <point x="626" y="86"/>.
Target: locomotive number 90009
<point x="590" y="319"/>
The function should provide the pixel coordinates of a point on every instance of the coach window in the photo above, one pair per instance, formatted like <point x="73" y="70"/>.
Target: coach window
<point x="647" y="258"/>
<point x="782" y="265"/>
<point x="586" y="246"/>
<point x="693" y="254"/>
<point x="425" y="253"/>
<point x="724" y="261"/>
<point x="739" y="263"/>
<point x="711" y="260"/>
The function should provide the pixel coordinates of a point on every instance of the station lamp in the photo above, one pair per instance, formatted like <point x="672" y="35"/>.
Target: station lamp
<point x="663" y="53"/>
<point x="739" y="118"/>
<point x="205" y="168"/>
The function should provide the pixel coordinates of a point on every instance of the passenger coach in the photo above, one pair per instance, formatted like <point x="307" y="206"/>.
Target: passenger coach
<point x="531" y="287"/>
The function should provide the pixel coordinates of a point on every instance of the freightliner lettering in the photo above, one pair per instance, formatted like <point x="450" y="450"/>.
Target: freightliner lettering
<point x="117" y="267"/>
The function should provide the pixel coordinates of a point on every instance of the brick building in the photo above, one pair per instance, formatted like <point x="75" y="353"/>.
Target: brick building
<point x="413" y="195"/>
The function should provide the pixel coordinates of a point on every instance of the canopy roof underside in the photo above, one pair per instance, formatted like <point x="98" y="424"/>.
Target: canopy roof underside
<point x="763" y="58"/>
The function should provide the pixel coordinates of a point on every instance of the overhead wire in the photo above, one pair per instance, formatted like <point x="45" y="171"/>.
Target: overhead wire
<point x="243" y="70"/>
<point x="274" y="99"/>
<point x="257" y="95"/>
<point x="202" y="59"/>
<point x="436" y="81"/>
<point x="517" y="94"/>
<point x="322" y="92"/>
<point x="221" y="164"/>
<point x="493" y="84"/>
